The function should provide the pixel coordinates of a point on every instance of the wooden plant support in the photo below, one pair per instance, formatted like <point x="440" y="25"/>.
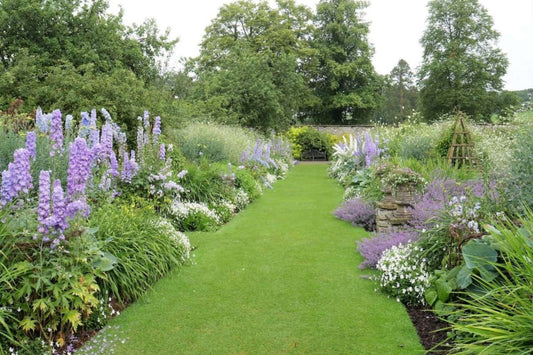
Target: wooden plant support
<point x="462" y="151"/>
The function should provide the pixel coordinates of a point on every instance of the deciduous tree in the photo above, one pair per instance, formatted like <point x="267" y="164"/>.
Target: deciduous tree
<point x="462" y="64"/>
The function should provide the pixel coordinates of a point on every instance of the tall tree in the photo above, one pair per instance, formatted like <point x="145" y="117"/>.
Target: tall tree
<point x="399" y="95"/>
<point x="461" y="64"/>
<point x="345" y="82"/>
<point x="251" y="64"/>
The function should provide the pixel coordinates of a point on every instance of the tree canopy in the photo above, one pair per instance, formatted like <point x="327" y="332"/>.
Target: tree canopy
<point x="74" y="55"/>
<point x="251" y="65"/>
<point x="462" y="68"/>
<point x="345" y="80"/>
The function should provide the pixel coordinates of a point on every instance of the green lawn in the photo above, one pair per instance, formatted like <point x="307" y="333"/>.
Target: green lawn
<point x="280" y="278"/>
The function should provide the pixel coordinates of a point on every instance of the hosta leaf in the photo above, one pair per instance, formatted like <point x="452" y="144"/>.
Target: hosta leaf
<point x="464" y="277"/>
<point x="443" y="289"/>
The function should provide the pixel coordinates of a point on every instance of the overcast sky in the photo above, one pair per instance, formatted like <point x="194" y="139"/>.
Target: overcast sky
<point x="395" y="29"/>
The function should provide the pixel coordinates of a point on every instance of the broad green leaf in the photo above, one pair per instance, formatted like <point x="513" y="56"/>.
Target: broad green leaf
<point x="464" y="277"/>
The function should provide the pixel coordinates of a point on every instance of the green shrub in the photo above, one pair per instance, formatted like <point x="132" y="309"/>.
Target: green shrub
<point x="308" y="138"/>
<point x="419" y="145"/>
<point x="145" y="246"/>
<point x="245" y="180"/>
<point x="204" y="183"/>
<point x="216" y="143"/>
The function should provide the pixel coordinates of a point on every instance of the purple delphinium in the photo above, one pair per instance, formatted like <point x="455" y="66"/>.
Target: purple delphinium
<point x="113" y="170"/>
<point x="68" y="122"/>
<point x="56" y="133"/>
<point x="358" y="212"/>
<point x="106" y="142"/>
<point x="84" y="125"/>
<point x="79" y="168"/>
<point x="162" y="151"/>
<point x="42" y="121"/>
<point x="94" y="133"/>
<point x="31" y="144"/>
<point x="146" y="119"/>
<point x="106" y="114"/>
<point x="43" y="211"/>
<point x="59" y="208"/>
<point x="129" y="167"/>
<point x="17" y="177"/>
<point x="140" y="138"/>
<point x="372" y="248"/>
<point x="156" y="132"/>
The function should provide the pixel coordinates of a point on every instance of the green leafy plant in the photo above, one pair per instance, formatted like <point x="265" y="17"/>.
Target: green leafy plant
<point x="143" y="247"/>
<point x="499" y="319"/>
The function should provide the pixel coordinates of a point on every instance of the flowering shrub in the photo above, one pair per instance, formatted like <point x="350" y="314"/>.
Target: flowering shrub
<point x="373" y="248"/>
<point x="402" y="176"/>
<point x="353" y="154"/>
<point x="191" y="216"/>
<point x="403" y="274"/>
<point x="358" y="212"/>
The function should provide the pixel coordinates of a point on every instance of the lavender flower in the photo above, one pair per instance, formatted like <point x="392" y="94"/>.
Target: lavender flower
<point x="17" y="177"/>
<point x="56" y="133"/>
<point x="79" y="168"/>
<point x="31" y="144"/>
<point x="372" y="248"/>
<point x="157" y="130"/>
<point x="43" y="211"/>
<point x="357" y="212"/>
<point x="182" y="173"/>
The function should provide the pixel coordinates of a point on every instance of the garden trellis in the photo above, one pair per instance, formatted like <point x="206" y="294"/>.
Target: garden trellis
<point x="462" y="150"/>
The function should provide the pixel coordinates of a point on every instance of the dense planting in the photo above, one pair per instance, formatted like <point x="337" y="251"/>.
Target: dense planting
<point x="89" y="224"/>
<point x="447" y="251"/>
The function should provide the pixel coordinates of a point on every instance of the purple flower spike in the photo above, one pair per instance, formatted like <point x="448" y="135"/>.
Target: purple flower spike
<point x="56" y="133"/>
<point x="43" y="212"/>
<point x="31" y="143"/>
<point x="59" y="208"/>
<point x="162" y="151"/>
<point x="17" y="177"/>
<point x="157" y="129"/>
<point x="79" y="168"/>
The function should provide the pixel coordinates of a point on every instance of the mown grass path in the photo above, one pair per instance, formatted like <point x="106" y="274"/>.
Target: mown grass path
<point x="280" y="278"/>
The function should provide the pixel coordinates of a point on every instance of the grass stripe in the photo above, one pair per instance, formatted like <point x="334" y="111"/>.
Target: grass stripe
<point x="280" y="278"/>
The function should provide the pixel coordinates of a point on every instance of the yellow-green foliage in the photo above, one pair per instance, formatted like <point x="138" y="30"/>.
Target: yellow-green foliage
<point x="306" y="138"/>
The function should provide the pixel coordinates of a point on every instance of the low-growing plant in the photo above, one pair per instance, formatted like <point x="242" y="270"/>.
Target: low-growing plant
<point x="402" y="273"/>
<point x="371" y="249"/>
<point x="193" y="216"/>
<point x="358" y="212"/>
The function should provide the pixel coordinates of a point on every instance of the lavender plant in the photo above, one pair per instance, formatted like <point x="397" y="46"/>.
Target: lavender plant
<point x="358" y="212"/>
<point x="372" y="249"/>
